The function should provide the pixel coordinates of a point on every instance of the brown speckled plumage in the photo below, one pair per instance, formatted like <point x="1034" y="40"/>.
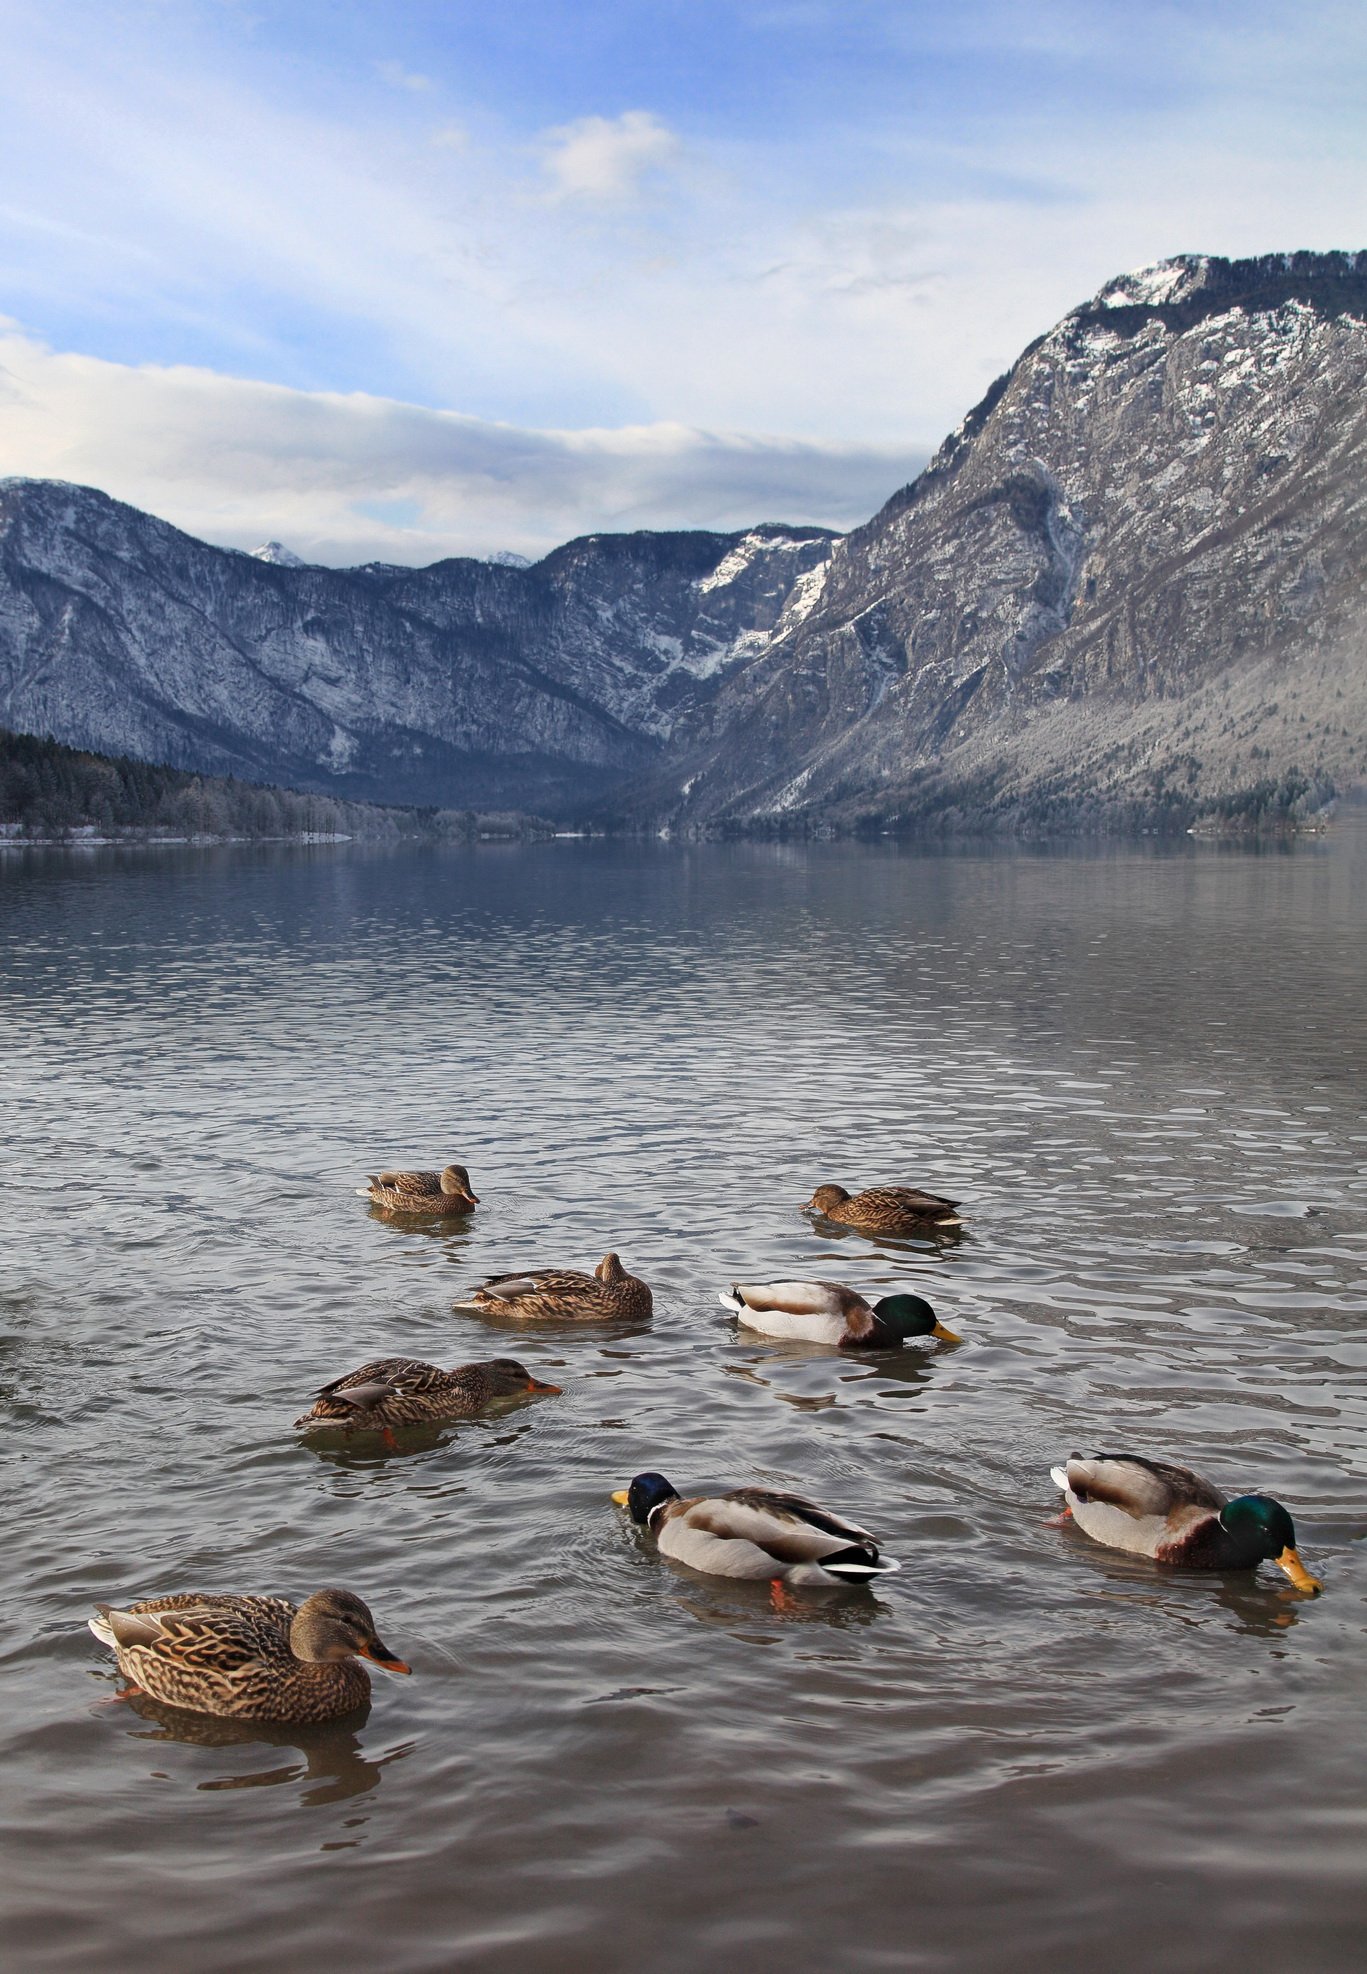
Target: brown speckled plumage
<point x="403" y="1391"/>
<point x="566" y="1294"/>
<point x="885" y="1209"/>
<point x="448" y="1191"/>
<point x="248" y="1657"/>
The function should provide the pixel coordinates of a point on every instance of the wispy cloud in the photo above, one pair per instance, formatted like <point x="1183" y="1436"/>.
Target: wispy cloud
<point x="607" y="157"/>
<point x="398" y="77"/>
<point x="349" y="478"/>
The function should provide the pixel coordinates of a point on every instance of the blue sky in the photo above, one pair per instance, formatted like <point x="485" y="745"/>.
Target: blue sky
<point x="427" y="279"/>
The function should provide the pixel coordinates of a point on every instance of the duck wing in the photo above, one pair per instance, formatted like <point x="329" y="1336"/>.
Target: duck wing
<point x="420" y="1187"/>
<point x="218" y="1633"/>
<point x="384" y="1377"/>
<point x="1138" y="1487"/>
<point x="787" y="1526"/>
<point x="907" y="1199"/>
<point x="792" y="1298"/>
<point x="539" y="1281"/>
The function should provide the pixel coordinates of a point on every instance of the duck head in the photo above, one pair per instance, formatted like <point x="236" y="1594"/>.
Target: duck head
<point x="335" y="1624"/>
<point x="509" y="1379"/>
<point x="646" y="1493"/>
<point x="911" y="1316"/>
<point x="610" y="1269"/>
<point x="455" y="1180"/>
<point x="824" y="1198"/>
<point x="1263" y="1527"/>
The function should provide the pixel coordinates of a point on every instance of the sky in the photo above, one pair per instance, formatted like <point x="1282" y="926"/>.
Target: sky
<point x="454" y="277"/>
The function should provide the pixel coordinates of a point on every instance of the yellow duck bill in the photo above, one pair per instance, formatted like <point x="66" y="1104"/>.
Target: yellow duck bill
<point x="1298" y="1573"/>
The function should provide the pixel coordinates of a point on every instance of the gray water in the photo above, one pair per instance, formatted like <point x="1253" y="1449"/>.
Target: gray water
<point x="1140" y="1067"/>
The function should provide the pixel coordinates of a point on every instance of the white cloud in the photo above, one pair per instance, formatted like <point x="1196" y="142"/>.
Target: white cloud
<point x="349" y="478"/>
<point x="607" y="157"/>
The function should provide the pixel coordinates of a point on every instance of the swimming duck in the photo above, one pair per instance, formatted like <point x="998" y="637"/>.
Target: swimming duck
<point x="403" y="1391"/>
<point x="1171" y="1514"/>
<point x="828" y="1312"/>
<point x="885" y="1209"/>
<point x="753" y="1533"/>
<point x="249" y="1658"/>
<point x="447" y="1191"/>
<point x="565" y="1293"/>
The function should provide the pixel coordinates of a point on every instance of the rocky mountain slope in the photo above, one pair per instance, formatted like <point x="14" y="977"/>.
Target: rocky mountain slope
<point x="467" y="683"/>
<point x="1130" y="588"/>
<point x="1132" y="584"/>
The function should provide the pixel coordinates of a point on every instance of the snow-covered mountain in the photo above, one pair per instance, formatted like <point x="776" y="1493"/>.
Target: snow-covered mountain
<point x="1132" y="584"/>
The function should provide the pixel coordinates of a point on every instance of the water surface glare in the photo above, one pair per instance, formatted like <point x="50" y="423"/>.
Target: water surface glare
<point x="1140" y="1067"/>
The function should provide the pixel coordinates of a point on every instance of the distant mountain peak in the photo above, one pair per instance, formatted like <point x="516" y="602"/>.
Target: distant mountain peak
<point x="275" y="551"/>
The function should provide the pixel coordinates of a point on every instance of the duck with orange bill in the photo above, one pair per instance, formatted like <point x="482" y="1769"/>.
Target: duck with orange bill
<point x="247" y="1657"/>
<point x="829" y="1312"/>
<point x="1170" y="1513"/>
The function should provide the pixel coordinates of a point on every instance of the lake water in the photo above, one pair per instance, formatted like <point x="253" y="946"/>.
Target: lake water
<point x="1139" y="1066"/>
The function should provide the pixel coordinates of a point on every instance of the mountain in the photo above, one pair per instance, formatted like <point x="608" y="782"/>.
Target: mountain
<point x="276" y="551"/>
<point x="1129" y="589"/>
<point x="1132" y="585"/>
<point x="470" y="684"/>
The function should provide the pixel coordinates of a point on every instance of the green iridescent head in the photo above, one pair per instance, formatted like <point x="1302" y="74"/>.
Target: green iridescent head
<point x="1261" y="1522"/>
<point x="1263" y="1528"/>
<point x="911" y="1316"/>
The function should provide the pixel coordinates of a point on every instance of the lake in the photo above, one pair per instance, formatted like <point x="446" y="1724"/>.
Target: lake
<point x="1141" y="1068"/>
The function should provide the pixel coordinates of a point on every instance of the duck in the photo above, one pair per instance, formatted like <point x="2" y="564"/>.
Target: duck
<point x="753" y="1533"/>
<point x="248" y="1657"/>
<point x="828" y="1312"/>
<point x="447" y="1191"/>
<point x="567" y="1294"/>
<point x="403" y="1391"/>
<point x="885" y="1209"/>
<point x="1155" y="1509"/>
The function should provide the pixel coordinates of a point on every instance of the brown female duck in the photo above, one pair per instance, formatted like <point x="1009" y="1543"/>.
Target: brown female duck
<point x="885" y="1209"/>
<point x="248" y="1658"/>
<point x="564" y="1293"/>
<point x="403" y="1391"/>
<point x="447" y="1191"/>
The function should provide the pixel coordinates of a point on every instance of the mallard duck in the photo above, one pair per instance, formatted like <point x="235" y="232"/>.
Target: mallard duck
<point x="752" y="1533"/>
<point x="249" y="1658"/>
<point x="564" y="1293"/>
<point x="1171" y="1514"/>
<point x="885" y="1209"/>
<point x="828" y="1312"/>
<point x="447" y="1191"/>
<point x="403" y="1391"/>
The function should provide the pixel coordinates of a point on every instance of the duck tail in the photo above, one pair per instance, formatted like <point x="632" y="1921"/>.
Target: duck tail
<point x="99" y="1624"/>
<point x="366" y="1191"/>
<point x="1059" y="1476"/>
<point x="730" y="1299"/>
<point x="856" y="1564"/>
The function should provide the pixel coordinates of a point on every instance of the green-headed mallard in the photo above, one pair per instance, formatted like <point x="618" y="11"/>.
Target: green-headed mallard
<point x="565" y="1293"/>
<point x="447" y="1191"/>
<point x="1171" y="1514"/>
<point x="828" y="1312"/>
<point x="249" y="1658"/>
<point x="753" y="1533"/>
<point x="885" y="1209"/>
<point x="403" y="1391"/>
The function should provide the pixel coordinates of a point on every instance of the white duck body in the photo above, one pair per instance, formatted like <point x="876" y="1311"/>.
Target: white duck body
<point x="803" y="1312"/>
<point x="765" y="1537"/>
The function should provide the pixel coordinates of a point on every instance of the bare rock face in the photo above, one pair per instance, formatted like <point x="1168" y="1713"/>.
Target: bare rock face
<point x="1132" y="582"/>
<point x="1131" y="588"/>
<point x="467" y="684"/>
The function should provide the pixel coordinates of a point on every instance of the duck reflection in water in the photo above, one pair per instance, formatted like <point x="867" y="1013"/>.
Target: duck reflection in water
<point x="333" y="1768"/>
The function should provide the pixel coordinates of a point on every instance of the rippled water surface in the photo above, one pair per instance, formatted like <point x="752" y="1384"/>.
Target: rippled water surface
<point x="1140" y="1067"/>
